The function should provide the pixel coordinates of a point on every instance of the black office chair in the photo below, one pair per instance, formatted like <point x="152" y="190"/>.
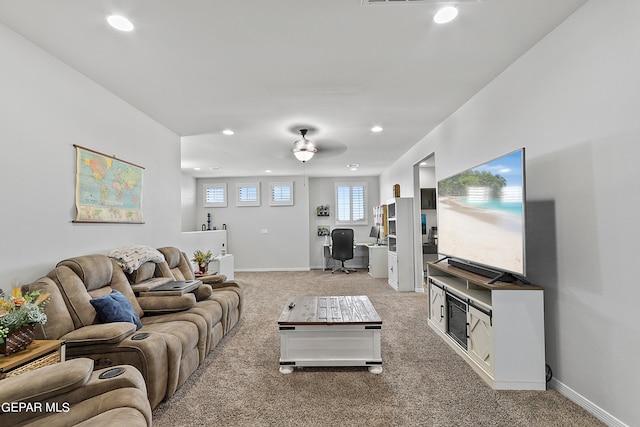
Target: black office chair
<point x="342" y="247"/>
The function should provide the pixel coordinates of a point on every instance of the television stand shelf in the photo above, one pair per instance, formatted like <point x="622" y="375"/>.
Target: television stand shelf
<point x="504" y="337"/>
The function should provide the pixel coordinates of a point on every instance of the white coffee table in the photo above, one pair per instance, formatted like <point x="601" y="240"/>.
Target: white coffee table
<point x="329" y="331"/>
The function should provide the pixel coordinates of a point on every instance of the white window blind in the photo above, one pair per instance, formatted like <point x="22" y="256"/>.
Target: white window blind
<point x="281" y="193"/>
<point x="351" y="203"/>
<point x="248" y="194"/>
<point x="215" y="195"/>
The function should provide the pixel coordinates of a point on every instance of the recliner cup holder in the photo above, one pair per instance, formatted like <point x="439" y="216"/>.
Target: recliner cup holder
<point x="111" y="373"/>
<point x="140" y="336"/>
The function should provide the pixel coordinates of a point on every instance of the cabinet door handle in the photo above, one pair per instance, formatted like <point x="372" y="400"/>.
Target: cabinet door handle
<point x="441" y="312"/>
<point x="467" y="330"/>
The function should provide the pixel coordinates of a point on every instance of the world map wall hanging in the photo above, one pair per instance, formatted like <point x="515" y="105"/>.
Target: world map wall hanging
<point x="107" y="189"/>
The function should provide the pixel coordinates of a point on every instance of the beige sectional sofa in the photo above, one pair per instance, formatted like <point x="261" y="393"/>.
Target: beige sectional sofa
<point x="174" y="333"/>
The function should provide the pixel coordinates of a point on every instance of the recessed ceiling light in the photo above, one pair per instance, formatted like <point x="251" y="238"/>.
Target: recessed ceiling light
<point x="120" y="23"/>
<point x="268" y="171"/>
<point x="445" y="14"/>
<point x="376" y="129"/>
<point x="228" y="132"/>
<point x="353" y="166"/>
<point x="196" y="169"/>
<point x="423" y="163"/>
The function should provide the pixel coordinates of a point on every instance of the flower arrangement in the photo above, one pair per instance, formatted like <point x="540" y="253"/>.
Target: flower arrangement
<point x="202" y="259"/>
<point x="21" y="310"/>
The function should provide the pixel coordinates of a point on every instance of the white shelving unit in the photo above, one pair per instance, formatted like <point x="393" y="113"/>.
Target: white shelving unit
<point x="378" y="257"/>
<point x="505" y="326"/>
<point x="400" y="256"/>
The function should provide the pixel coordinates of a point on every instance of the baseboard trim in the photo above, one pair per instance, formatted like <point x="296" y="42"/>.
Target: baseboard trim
<point x="585" y="403"/>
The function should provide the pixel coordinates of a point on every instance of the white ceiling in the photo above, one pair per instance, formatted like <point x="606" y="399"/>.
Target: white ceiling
<point x="265" y="68"/>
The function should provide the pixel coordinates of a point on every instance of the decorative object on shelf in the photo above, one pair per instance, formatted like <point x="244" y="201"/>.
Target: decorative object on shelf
<point x="322" y="210"/>
<point x="107" y="189"/>
<point x="323" y="230"/>
<point x="208" y="221"/>
<point x="304" y="149"/>
<point x="396" y="190"/>
<point x="202" y="259"/>
<point x="18" y="316"/>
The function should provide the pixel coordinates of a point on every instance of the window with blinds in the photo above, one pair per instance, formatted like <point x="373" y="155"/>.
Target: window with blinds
<point x="281" y="194"/>
<point x="215" y="195"/>
<point x="248" y="194"/>
<point x="351" y="203"/>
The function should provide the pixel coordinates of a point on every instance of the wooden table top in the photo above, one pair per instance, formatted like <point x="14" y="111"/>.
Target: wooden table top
<point x="325" y="310"/>
<point x="35" y="350"/>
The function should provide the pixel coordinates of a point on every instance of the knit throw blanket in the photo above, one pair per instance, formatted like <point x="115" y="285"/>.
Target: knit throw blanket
<point x="130" y="258"/>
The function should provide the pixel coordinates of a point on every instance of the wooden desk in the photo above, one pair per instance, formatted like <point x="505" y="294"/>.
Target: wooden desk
<point x="40" y="353"/>
<point x="330" y="331"/>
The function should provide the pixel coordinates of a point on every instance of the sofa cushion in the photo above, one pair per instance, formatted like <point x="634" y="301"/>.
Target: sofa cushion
<point x="142" y="274"/>
<point x="55" y="309"/>
<point x="171" y="256"/>
<point x="115" y="307"/>
<point x="94" y="271"/>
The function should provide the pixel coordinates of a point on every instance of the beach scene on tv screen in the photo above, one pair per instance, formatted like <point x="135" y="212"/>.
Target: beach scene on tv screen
<point x="480" y="214"/>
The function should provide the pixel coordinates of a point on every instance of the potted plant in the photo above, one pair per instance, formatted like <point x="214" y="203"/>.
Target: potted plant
<point x="202" y="259"/>
<point x="18" y="316"/>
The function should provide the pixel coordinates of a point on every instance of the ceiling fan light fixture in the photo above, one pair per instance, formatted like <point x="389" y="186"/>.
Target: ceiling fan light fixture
<point x="304" y="149"/>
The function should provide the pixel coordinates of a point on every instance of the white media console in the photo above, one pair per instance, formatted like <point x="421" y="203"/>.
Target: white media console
<point x="497" y="328"/>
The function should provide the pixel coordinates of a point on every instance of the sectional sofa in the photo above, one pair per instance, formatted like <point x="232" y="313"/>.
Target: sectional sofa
<point x="107" y="311"/>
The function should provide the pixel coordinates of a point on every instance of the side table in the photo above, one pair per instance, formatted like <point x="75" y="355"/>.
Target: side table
<point x="39" y="354"/>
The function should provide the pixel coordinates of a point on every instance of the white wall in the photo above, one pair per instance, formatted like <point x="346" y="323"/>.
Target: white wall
<point x="322" y="192"/>
<point x="573" y="102"/>
<point x="285" y="246"/>
<point x="188" y="203"/>
<point x="46" y="107"/>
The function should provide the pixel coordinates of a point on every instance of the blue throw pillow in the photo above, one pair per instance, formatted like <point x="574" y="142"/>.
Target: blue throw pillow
<point x="115" y="307"/>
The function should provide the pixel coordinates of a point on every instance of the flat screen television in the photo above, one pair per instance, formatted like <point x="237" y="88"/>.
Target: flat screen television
<point x="481" y="214"/>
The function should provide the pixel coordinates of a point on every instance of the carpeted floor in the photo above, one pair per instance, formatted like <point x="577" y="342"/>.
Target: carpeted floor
<point x="424" y="382"/>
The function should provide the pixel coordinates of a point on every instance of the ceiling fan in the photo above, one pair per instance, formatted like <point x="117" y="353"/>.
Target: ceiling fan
<point x="304" y="149"/>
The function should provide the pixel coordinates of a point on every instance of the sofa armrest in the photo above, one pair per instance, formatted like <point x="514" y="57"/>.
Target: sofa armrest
<point x="60" y="387"/>
<point x="166" y="304"/>
<point x="203" y="292"/>
<point x="148" y="285"/>
<point x="47" y="382"/>
<point x="227" y="284"/>
<point x="102" y="333"/>
<point x="212" y="279"/>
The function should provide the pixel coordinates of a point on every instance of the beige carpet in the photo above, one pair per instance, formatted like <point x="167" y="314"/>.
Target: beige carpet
<point x="424" y="382"/>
